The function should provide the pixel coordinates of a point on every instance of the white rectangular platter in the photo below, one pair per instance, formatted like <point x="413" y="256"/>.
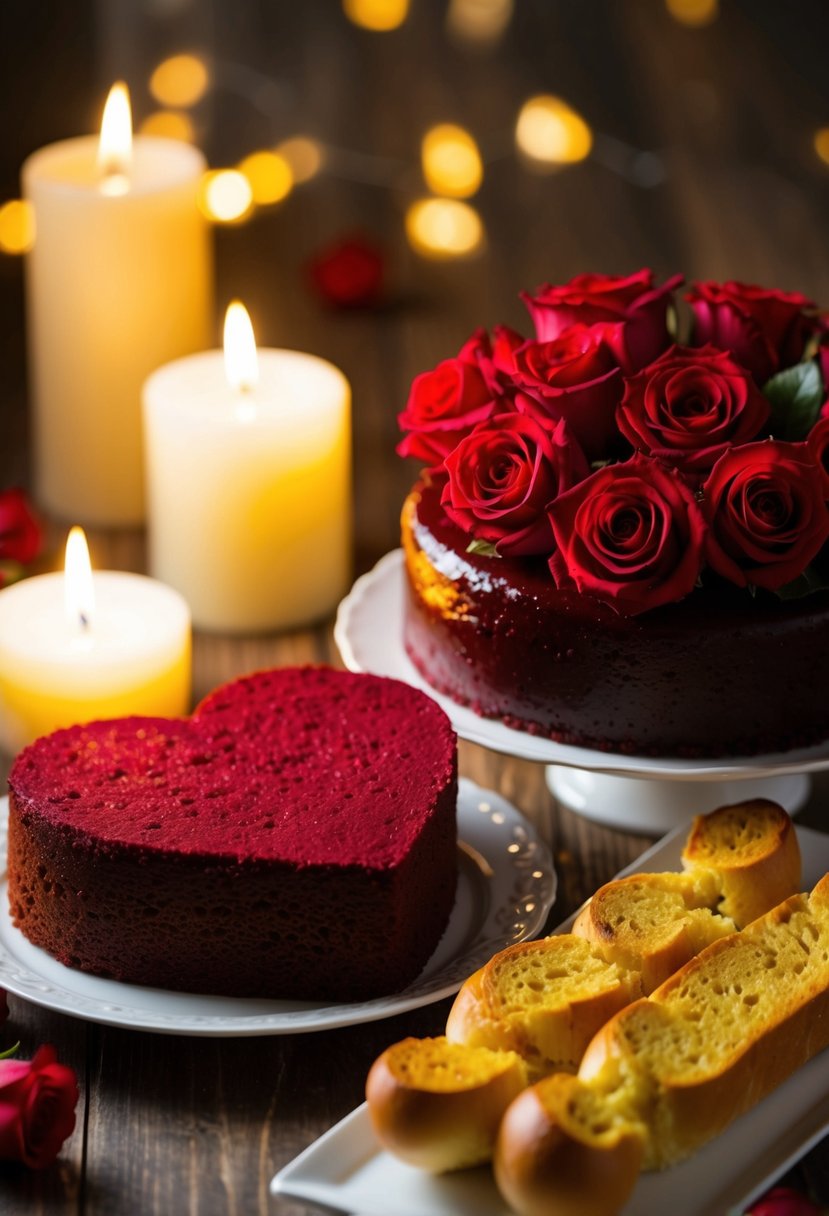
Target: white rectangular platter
<point x="347" y="1170"/>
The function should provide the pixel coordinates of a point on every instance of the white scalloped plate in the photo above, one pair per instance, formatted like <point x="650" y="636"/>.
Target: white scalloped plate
<point x="369" y="636"/>
<point x="506" y="888"/>
<point x="347" y="1170"/>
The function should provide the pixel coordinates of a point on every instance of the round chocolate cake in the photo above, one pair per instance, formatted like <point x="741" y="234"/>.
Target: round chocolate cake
<point x="719" y="674"/>
<point x="620" y="536"/>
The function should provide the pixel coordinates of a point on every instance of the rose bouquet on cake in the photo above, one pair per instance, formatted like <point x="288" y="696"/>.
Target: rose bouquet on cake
<point x="637" y="460"/>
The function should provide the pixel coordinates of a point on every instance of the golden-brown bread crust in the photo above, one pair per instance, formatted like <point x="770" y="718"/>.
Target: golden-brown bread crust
<point x="544" y="1000"/>
<point x="452" y="1125"/>
<point x="652" y="923"/>
<point x="543" y="1167"/>
<point x="674" y="1069"/>
<point x="752" y="850"/>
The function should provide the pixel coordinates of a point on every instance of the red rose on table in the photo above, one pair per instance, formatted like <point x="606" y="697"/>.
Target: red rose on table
<point x="446" y="403"/>
<point x="631" y="534"/>
<point x="574" y="377"/>
<point x="764" y="330"/>
<point x="633" y="303"/>
<point x="783" y="1201"/>
<point x="504" y="474"/>
<point x="37" y="1108"/>
<point x="767" y="519"/>
<point x="690" y="405"/>
<point x="21" y="537"/>
<point x="350" y="273"/>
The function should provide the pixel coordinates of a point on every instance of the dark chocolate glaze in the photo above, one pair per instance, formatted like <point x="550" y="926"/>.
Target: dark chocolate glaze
<point x="722" y="673"/>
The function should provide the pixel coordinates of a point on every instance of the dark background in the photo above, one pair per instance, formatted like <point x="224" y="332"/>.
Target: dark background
<point x="730" y="185"/>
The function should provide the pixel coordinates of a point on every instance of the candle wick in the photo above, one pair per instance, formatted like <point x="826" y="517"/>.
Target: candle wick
<point x="115" y="182"/>
<point x="84" y="619"/>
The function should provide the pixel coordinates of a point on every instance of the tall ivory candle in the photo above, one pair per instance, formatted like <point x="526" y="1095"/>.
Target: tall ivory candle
<point x="76" y="646"/>
<point x="249" y="483"/>
<point x="119" y="282"/>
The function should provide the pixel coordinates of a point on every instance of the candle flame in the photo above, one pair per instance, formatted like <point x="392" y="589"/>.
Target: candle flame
<point x="115" y="143"/>
<point x="241" y="362"/>
<point x="79" y="592"/>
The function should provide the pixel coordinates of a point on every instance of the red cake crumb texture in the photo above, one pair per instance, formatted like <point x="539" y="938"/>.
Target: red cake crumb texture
<point x="294" y="838"/>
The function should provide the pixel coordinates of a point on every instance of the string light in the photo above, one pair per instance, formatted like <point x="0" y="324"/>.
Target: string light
<point x="550" y="132"/>
<point x="225" y="196"/>
<point x="305" y="157"/>
<point x="269" y="176"/>
<point x="180" y="81"/>
<point x="17" y="226"/>
<point x="693" y="12"/>
<point x="821" y="142"/>
<point x="170" y="124"/>
<point x="378" y="15"/>
<point x="479" y="21"/>
<point x="451" y="161"/>
<point x="443" y="228"/>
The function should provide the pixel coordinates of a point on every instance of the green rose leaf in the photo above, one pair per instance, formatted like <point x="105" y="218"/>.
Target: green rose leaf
<point x="11" y="1051"/>
<point x="813" y="578"/>
<point x="483" y="547"/>
<point x="795" y="396"/>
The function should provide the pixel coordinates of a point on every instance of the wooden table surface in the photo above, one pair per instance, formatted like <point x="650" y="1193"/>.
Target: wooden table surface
<point x="729" y="186"/>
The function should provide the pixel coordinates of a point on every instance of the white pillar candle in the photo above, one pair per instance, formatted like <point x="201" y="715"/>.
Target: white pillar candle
<point x="249" y="484"/>
<point x="119" y="281"/>
<point x="74" y="650"/>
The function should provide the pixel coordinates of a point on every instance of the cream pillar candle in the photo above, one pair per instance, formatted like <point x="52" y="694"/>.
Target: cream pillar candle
<point x="119" y="282"/>
<point x="249" y="484"/>
<point x="74" y="648"/>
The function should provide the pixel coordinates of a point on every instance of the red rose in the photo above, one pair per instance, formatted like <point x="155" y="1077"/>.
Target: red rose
<point x="502" y="477"/>
<point x="21" y="537"/>
<point x="690" y="405"/>
<point x="764" y="330"/>
<point x="350" y="273"/>
<point x="783" y="1201"/>
<point x="634" y="304"/>
<point x="446" y="403"/>
<point x="631" y="534"/>
<point x="574" y="377"/>
<point x="817" y="441"/>
<point x="766" y="514"/>
<point x="37" y="1108"/>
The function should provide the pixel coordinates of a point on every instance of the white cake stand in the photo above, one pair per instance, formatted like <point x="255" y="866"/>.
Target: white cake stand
<point x="634" y="793"/>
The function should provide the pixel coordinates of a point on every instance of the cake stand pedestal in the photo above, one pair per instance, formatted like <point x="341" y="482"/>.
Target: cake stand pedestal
<point x="654" y="805"/>
<point x="631" y="793"/>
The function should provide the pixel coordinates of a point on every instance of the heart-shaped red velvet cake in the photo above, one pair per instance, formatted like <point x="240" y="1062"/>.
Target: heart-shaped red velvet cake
<point x="294" y="838"/>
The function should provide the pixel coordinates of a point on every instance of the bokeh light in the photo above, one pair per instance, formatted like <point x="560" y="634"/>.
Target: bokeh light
<point x="443" y="228"/>
<point x="17" y="226"/>
<point x="822" y="144"/>
<point x="180" y="81"/>
<point x="550" y="132"/>
<point x="225" y="196"/>
<point x="170" y="124"/>
<point x="451" y="161"/>
<point x="269" y="175"/>
<point x="377" y="15"/>
<point x="479" y="21"/>
<point x="693" y="12"/>
<point x="304" y="155"/>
